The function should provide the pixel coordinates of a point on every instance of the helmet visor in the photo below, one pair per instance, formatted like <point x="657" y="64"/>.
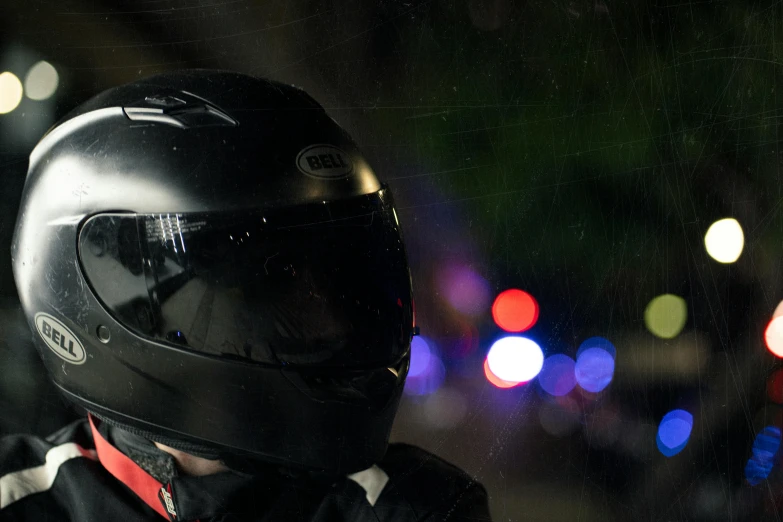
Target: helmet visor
<point x="322" y="284"/>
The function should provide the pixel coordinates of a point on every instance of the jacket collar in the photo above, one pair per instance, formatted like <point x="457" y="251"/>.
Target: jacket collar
<point x="172" y="496"/>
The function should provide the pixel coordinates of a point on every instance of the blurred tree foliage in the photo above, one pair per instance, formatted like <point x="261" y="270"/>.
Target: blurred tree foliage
<point x="599" y="137"/>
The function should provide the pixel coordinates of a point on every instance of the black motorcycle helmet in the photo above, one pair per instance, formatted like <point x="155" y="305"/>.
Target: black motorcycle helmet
<point x="206" y="259"/>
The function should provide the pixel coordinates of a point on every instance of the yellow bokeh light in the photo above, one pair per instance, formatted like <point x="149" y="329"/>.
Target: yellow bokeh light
<point x="724" y="240"/>
<point x="10" y="92"/>
<point x="665" y="316"/>
<point x="41" y="81"/>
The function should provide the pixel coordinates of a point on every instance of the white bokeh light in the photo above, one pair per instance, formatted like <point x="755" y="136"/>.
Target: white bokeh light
<point x="724" y="240"/>
<point x="778" y="311"/>
<point x="41" y="81"/>
<point x="515" y="359"/>
<point x="10" y="92"/>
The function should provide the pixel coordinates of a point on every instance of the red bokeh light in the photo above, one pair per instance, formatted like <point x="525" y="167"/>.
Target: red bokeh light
<point x="775" y="387"/>
<point x="515" y="310"/>
<point x="774" y="336"/>
<point x="497" y="381"/>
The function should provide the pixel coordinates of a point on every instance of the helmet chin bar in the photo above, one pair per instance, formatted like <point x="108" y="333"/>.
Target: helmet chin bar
<point x="351" y="436"/>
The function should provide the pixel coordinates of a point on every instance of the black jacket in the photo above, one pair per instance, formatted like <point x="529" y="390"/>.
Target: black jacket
<point x="66" y="477"/>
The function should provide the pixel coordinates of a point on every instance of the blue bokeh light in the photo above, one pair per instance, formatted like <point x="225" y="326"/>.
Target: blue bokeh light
<point x="594" y="369"/>
<point x="515" y="359"/>
<point x="765" y="448"/>
<point x="597" y="342"/>
<point x="674" y="431"/>
<point x="420" y="357"/>
<point x="557" y="377"/>
<point x="427" y="372"/>
<point x="429" y="380"/>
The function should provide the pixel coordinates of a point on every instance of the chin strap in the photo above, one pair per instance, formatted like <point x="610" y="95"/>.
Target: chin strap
<point x="154" y="493"/>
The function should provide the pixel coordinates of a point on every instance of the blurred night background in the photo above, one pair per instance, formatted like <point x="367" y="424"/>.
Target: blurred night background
<point x="557" y="167"/>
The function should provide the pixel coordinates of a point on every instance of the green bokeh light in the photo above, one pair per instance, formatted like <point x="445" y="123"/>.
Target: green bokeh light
<point x="665" y="316"/>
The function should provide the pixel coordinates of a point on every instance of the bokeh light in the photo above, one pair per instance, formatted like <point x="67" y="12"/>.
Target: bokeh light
<point x="557" y="375"/>
<point x="515" y="310"/>
<point x="674" y="432"/>
<point x="724" y="240"/>
<point x="10" y="92"/>
<point x="762" y="459"/>
<point x="495" y="380"/>
<point x="420" y="356"/>
<point x="41" y="81"/>
<point x="601" y="343"/>
<point x="426" y="373"/>
<point x="515" y="359"/>
<point x="775" y="387"/>
<point x="665" y="316"/>
<point x="773" y="336"/>
<point x="595" y="364"/>
<point x="594" y="369"/>
<point x="464" y="289"/>
<point x="778" y="310"/>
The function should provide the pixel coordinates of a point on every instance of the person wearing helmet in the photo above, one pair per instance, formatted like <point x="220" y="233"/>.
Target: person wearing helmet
<point x="212" y="270"/>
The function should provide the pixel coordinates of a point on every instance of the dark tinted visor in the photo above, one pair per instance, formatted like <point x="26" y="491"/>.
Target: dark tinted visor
<point x="322" y="284"/>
